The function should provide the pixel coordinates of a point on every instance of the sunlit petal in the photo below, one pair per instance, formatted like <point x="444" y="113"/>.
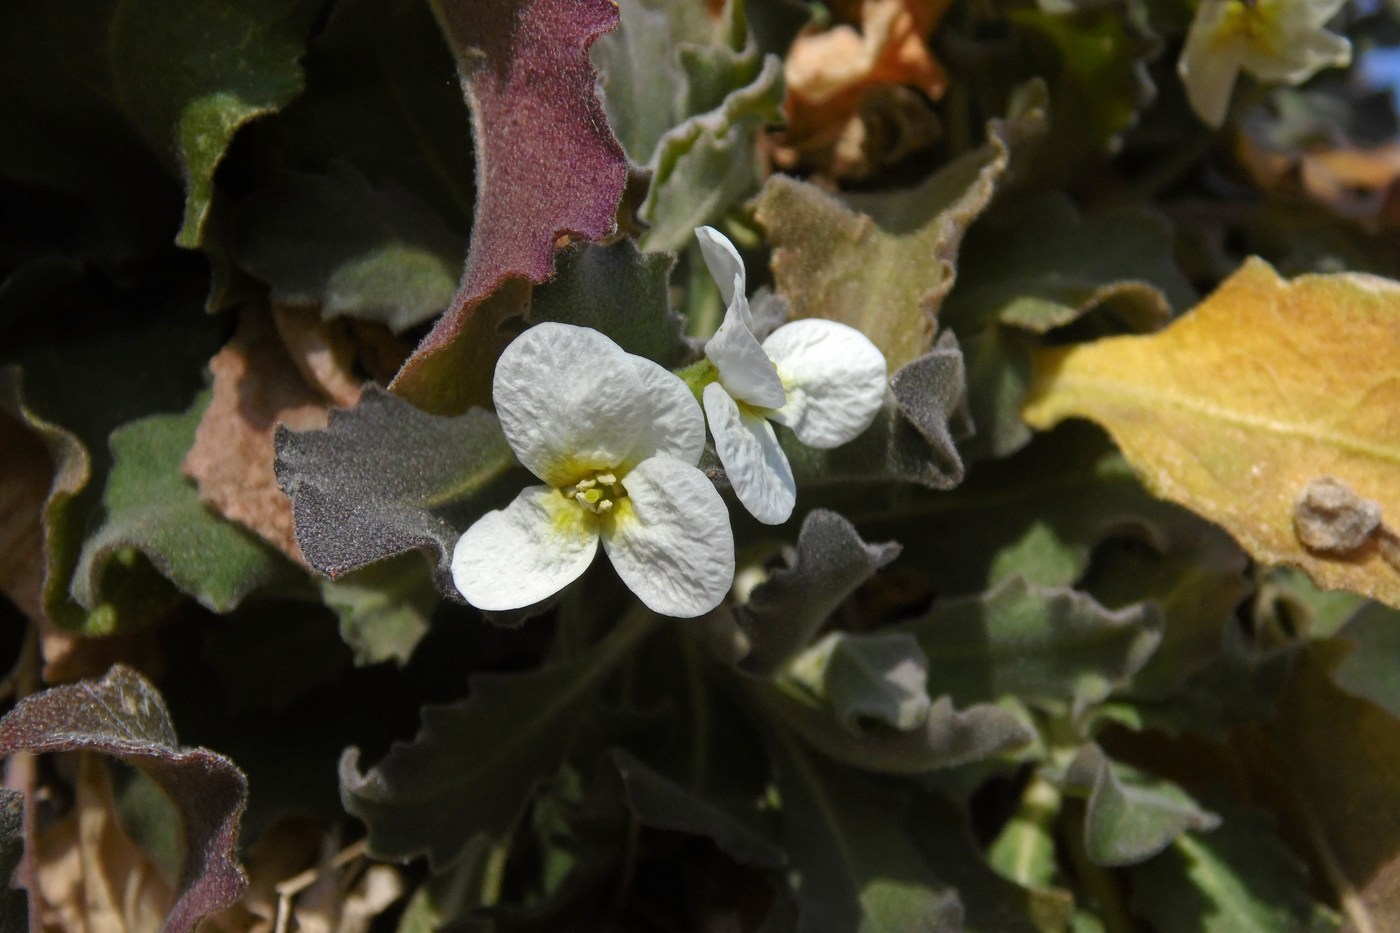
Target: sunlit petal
<point x="1209" y="65"/>
<point x="744" y="368"/>
<point x="756" y="466"/>
<point x="673" y="425"/>
<point x="835" y="380"/>
<point x="524" y="553"/>
<point x="570" y="400"/>
<point x="670" y="538"/>
<point x="724" y="263"/>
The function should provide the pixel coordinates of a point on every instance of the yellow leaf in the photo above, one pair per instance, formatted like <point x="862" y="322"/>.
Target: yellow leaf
<point x="1240" y="406"/>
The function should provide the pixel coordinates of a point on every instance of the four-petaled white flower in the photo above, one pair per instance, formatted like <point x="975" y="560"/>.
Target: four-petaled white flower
<point x="1277" y="41"/>
<point x="615" y="438"/>
<point x="822" y="379"/>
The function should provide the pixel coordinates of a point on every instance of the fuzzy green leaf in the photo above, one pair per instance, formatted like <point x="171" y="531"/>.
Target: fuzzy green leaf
<point x="1047" y="646"/>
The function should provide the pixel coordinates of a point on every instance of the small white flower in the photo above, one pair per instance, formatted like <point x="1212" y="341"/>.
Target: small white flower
<point x="824" y="380"/>
<point x="1277" y="41"/>
<point x="615" y="438"/>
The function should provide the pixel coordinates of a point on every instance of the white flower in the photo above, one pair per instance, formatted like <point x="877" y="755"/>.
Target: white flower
<point x="615" y="439"/>
<point x="1277" y="41"/>
<point x="824" y="380"/>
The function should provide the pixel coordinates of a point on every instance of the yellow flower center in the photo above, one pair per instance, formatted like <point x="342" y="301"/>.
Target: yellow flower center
<point x="1257" y="22"/>
<point x="597" y="493"/>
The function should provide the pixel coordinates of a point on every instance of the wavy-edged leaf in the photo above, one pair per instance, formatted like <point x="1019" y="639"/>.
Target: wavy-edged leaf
<point x="123" y="715"/>
<point x="869" y="679"/>
<point x="1048" y="646"/>
<point x="1129" y="817"/>
<point x="1240" y="406"/>
<point x="474" y="764"/>
<point x="136" y="361"/>
<point x="385" y="478"/>
<point x="829" y="563"/>
<point x="384" y="608"/>
<point x="150" y="508"/>
<point x="946" y="737"/>
<point x="882" y="263"/>
<point x="547" y="165"/>
<point x="14" y="904"/>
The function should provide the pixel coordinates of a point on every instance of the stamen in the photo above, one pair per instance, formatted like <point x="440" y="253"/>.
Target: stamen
<point x="596" y="493"/>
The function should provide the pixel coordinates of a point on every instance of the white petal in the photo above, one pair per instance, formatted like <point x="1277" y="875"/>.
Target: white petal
<point x="724" y="263"/>
<point x="744" y="369"/>
<point x="569" y="400"/>
<point x="526" y="552"/>
<point x="1308" y="52"/>
<point x="835" y="380"/>
<point x="1209" y="63"/>
<point x="670" y="538"/>
<point x="673" y="426"/>
<point x="756" y="466"/>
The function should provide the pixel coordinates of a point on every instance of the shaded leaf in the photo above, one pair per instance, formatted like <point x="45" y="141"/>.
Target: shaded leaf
<point x="474" y="764"/>
<point x="1238" y="878"/>
<point x="618" y="291"/>
<point x="373" y="252"/>
<point x="546" y="163"/>
<point x="882" y="263"/>
<point x="947" y="737"/>
<point x="183" y="76"/>
<point x="912" y="437"/>
<point x="122" y="715"/>
<point x="876" y="677"/>
<point x="992" y="903"/>
<point x="1369" y="670"/>
<point x="853" y="863"/>
<point x="385" y="478"/>
<point x="658" y="801"/>
<point x="786" y="610"/>
<point x="25" y="473"/>
<point x="1047" y="646"/>
<point x="384" y="608"/>
<point x="1236" y="408"/>
<point x="1130" y="817"/>
<point x="149" y="507"/>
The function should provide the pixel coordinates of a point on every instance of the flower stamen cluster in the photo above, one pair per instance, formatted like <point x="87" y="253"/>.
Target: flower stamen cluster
<point x="596" y="493"/>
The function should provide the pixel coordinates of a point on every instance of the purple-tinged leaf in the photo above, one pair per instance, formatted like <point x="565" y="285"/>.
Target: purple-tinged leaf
<point x="547" y="165"/>
<point x="123" y="715"/>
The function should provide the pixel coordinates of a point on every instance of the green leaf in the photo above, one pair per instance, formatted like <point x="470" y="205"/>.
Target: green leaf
<point x="1111" y="273"/>
<point x="1130" y="816"/>
<point x="876" y="677"/>
<point x="992" y="903"/>
<point x="1038" y="515"/>
<point x="912" y="437"/>
<point x="618" y="291"/>
<point x="123" y="715"/>
<point x="1050" y="647"/>
<point x="1239" y="878"/>
<point x="183" y="76"/>
<point x="78" y="382"/>
<point x="373" y="252"/>
<point x="946" y="737"/>
<point x="658" y="801"/>
<point x="710" y="162"/>
<point x="150" y="508"/>
<point x="384" y="608"/>
<point x="385" y="478"/>
<point x="853" y="862"/>
<point x="785" y="611"/>
<point x="475" y="763"/>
